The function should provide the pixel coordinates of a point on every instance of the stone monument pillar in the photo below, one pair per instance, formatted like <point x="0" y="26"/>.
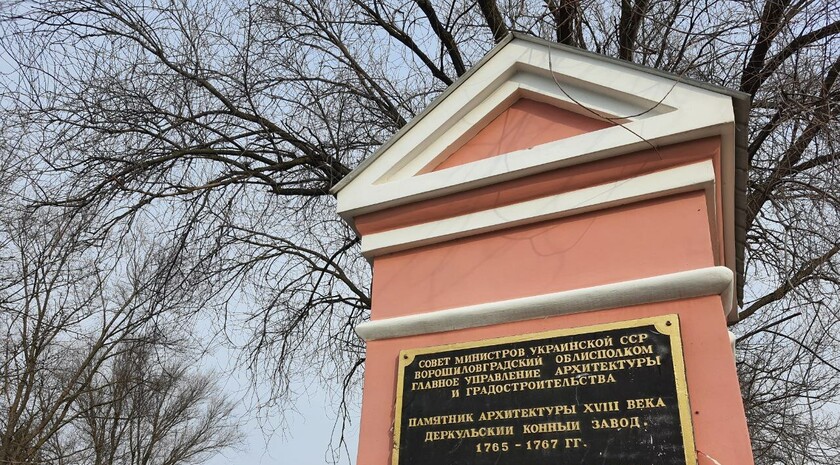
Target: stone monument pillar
<point x="555" y="247"/>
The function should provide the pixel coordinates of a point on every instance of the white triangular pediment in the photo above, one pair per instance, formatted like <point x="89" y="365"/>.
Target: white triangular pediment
<point x="644" y="109"/>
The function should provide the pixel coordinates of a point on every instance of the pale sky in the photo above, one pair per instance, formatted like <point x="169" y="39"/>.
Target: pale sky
<point x="306" y="439"/>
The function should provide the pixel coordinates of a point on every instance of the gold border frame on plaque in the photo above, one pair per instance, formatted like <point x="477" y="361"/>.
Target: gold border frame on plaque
<point x="665" y="324"/>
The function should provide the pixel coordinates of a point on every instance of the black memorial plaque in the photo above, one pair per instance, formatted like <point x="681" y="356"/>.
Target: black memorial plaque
<point x="612" y="394"/>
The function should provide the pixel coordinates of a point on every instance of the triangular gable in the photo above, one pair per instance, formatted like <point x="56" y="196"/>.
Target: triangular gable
<point x="643" y="107"/>
<point x="525" y="124"/>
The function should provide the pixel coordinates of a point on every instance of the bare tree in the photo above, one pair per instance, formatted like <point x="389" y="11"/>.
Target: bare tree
<point x="222" y="126"/>
<point x="79" y="324"/>
<point x="150" y="409"/>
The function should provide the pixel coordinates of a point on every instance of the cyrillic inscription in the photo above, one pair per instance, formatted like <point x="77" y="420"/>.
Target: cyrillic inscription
<point x="613" y="394"/>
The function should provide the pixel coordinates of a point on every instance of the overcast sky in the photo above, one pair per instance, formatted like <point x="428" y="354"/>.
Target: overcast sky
<point x="302" y="440"/>
<point x="305" y="443"/>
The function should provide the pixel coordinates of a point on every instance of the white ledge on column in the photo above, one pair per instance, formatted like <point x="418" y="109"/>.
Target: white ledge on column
<point x="717" y="280"/>
<point x="697" y="176"/>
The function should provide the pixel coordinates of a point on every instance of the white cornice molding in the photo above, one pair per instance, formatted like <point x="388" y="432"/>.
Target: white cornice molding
<point x="702" y="282"/>
<point x="697" y="176"/>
